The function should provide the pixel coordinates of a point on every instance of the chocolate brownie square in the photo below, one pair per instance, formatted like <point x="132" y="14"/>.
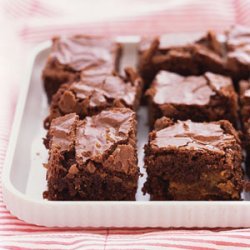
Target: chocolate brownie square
<point x="69" y="56"/>
<point x="89" y="97"/>
<point x="190" y="57"/>
<point x="94" y="158"/>
<point x="186" y="160"/>
<point x="209" y="97"/>
<point x="238" y="52"/>
<point x="245" y="117"/>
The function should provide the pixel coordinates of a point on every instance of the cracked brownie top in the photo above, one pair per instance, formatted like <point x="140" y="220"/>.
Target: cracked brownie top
<point x="94" y="138"/>
<point x="82" y="52"/>
<point x="173" y="88"/>
<point x="213" y="136"/>
<point x="89" y="97"/>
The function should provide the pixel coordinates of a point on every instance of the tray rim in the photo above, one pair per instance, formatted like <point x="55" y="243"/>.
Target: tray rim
<point x="11" y="192"/>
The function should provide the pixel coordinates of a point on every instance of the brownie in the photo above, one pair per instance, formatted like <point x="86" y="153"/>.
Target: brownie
<point x="87" y="97"/>
<point x="186" y="58"/>
<point x="209" y="97"/>
<point x="71" y="56"/>
<point x="186" y="160"/>
<point x="238" y="52"/>
<point x="94" y="158"/>
<point x="245" y="117"/>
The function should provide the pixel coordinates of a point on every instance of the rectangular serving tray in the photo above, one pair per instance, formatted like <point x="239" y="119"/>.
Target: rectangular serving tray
<point x="24" y="177"/>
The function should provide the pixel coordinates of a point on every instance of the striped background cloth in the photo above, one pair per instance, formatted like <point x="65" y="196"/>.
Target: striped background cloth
<point x="25" y="23"/>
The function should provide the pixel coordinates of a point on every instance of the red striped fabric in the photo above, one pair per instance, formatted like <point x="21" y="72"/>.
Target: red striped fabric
<point x="24" y="23"/>
<point x="189" y="16"/>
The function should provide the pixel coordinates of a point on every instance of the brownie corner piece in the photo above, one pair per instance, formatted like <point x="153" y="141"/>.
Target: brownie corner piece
<point x="71" y="56"/>
<point x="187" y="160"/>
<point x="208" y="97"/>
<point x="94" y="158"/>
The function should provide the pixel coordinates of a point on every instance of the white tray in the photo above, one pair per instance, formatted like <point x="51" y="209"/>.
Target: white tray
<point x="24" y="176"/>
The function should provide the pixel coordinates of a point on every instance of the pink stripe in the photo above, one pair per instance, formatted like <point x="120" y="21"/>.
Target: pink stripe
<point x="28" y="8"/>
<point x="188" y="236"/>
<point x="5" y="212"/>
<point x="26" y="229"/>
<point x="17" y="8"/>
<point x="156" y="244"/>
<point x="134" y="245"/>
<point x="10" y="217"/>
<point x="220" y="243"/>
<point x="13" y="247"/>
<point x="159" y="17"/>
<point x="73" y="242"/>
